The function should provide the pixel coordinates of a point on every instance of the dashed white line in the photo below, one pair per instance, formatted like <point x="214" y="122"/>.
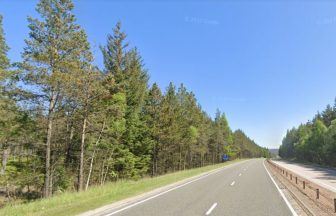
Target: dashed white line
<point x="211" y="209"/>
<point x="239" y="174"/>
<point x="171" y="189"/>
<point x="233" y="183"/>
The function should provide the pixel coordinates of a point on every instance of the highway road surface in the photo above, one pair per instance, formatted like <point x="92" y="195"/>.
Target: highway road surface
<point x="325" y="177"/>
<point x="244" y="188"/>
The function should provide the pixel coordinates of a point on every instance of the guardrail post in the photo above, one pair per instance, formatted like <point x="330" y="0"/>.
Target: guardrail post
<point x="295" y="179"/>
<point x="291" y="177"/>
<point x="286" y="173"/>
<point x="317" y="193"/>
<point x="304" y="184"/>
<point x="335" y="205"/>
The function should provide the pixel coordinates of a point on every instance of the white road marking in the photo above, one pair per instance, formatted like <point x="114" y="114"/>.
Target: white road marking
<point x="211" y="209"/>
<point x="281" y="193"/>
<point x="174" y="188"/>
<point x="244" y="169"/>
<point x="239" y="174"/>
<point x="233" y="183"/>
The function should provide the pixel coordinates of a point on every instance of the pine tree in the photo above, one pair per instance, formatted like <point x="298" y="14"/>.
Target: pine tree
<point x="221" y="137"/>
<point x="329" y="150"/>
<point x="202" y="147"/>
<point x="52" y="52"/>
<point x="115" y="103"/>
<point x="189" y="122"/>
<point x="126" y="68"/>
<point x="312" y="141"/>
<point x="79" y="126"/>
<point x="315" y="142"/>
<point x="328" y="115"/>
<point x="4" y="61"/>
<point x="8" y="109"/>
<point x="170" y="131"/>
<point x="136" y="84"/>
<point x="115" y="56"/>
<point x="151" y="116"/>
<point x="87" y="94"/>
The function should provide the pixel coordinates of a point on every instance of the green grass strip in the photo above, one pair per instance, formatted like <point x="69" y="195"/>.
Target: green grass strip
<point x="72" y="203"/>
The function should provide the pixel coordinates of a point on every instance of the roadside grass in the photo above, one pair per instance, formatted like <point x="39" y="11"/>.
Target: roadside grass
<point x="72" y="203"/>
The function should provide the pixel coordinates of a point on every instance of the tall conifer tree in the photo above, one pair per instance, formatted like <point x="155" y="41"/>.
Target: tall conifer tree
<point x="53" y="50"/>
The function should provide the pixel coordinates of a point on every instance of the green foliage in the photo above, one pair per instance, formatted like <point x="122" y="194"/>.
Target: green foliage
<point x="8" y="108"/>
<point x="69" y="203"/>
<point x="4" y="61"/>
<point x="329" y="149"/>
<point x="313" y="141"/>
<point x="76" y="126"/>
<point x="247" y="147"/>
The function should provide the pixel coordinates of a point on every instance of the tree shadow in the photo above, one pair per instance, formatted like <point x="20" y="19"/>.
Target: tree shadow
<point x="324" y="173"/>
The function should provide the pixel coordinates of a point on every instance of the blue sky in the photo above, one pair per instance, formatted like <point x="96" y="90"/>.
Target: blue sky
<point x="268" y="66"/>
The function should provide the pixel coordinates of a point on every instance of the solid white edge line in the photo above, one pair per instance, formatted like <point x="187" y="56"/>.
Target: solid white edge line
<point x="211" y="209"/>
<point x="174" y="188"/>
<point x="233" y="183"/>
<point x="281" y="193"/>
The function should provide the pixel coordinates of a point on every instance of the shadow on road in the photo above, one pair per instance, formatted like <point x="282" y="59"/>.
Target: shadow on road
<point x="324" y="173"/>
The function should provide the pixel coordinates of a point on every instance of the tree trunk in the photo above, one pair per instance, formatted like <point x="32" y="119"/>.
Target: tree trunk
<point x="190" y="160"/>
<point x="154" y="160"/>
<point x="156" y="166"/>
<point x="51" y="182"/>
<point x="46" y="189"/>
<point x="81" y="164"/>
<point x="102" y="172"/>
<point x="107" y="168"/>
<point x="104" y="179"/>
<point x="90" y="170"/>
<point x="5" y="156"/>
<point x="180" y="159"/>
<point x="69" y="145"/>
<point x="92" y="157"/>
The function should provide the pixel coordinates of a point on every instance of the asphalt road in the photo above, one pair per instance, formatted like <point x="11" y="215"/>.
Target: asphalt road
<point x="325" y="177"/>
<point x="242" y="189"/>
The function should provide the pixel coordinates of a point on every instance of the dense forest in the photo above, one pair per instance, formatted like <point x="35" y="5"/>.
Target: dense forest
<point x="314" y="141"/>
<point x="66" y="124"/>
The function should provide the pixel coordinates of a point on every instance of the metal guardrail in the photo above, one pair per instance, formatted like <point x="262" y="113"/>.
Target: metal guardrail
<point x="317" y="193"/>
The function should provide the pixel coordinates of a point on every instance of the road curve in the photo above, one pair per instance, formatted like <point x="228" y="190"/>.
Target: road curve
<point x="242" y="189"/>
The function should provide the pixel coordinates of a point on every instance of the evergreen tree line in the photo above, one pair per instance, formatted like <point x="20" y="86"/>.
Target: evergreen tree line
<point x="314" y="141"/>
<point x="65" y="124"/>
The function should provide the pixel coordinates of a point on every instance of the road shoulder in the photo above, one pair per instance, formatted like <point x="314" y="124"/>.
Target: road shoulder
<point x="292" y="205"/>
<point x="132" y="201"/>
<point x="301" y="203"/>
